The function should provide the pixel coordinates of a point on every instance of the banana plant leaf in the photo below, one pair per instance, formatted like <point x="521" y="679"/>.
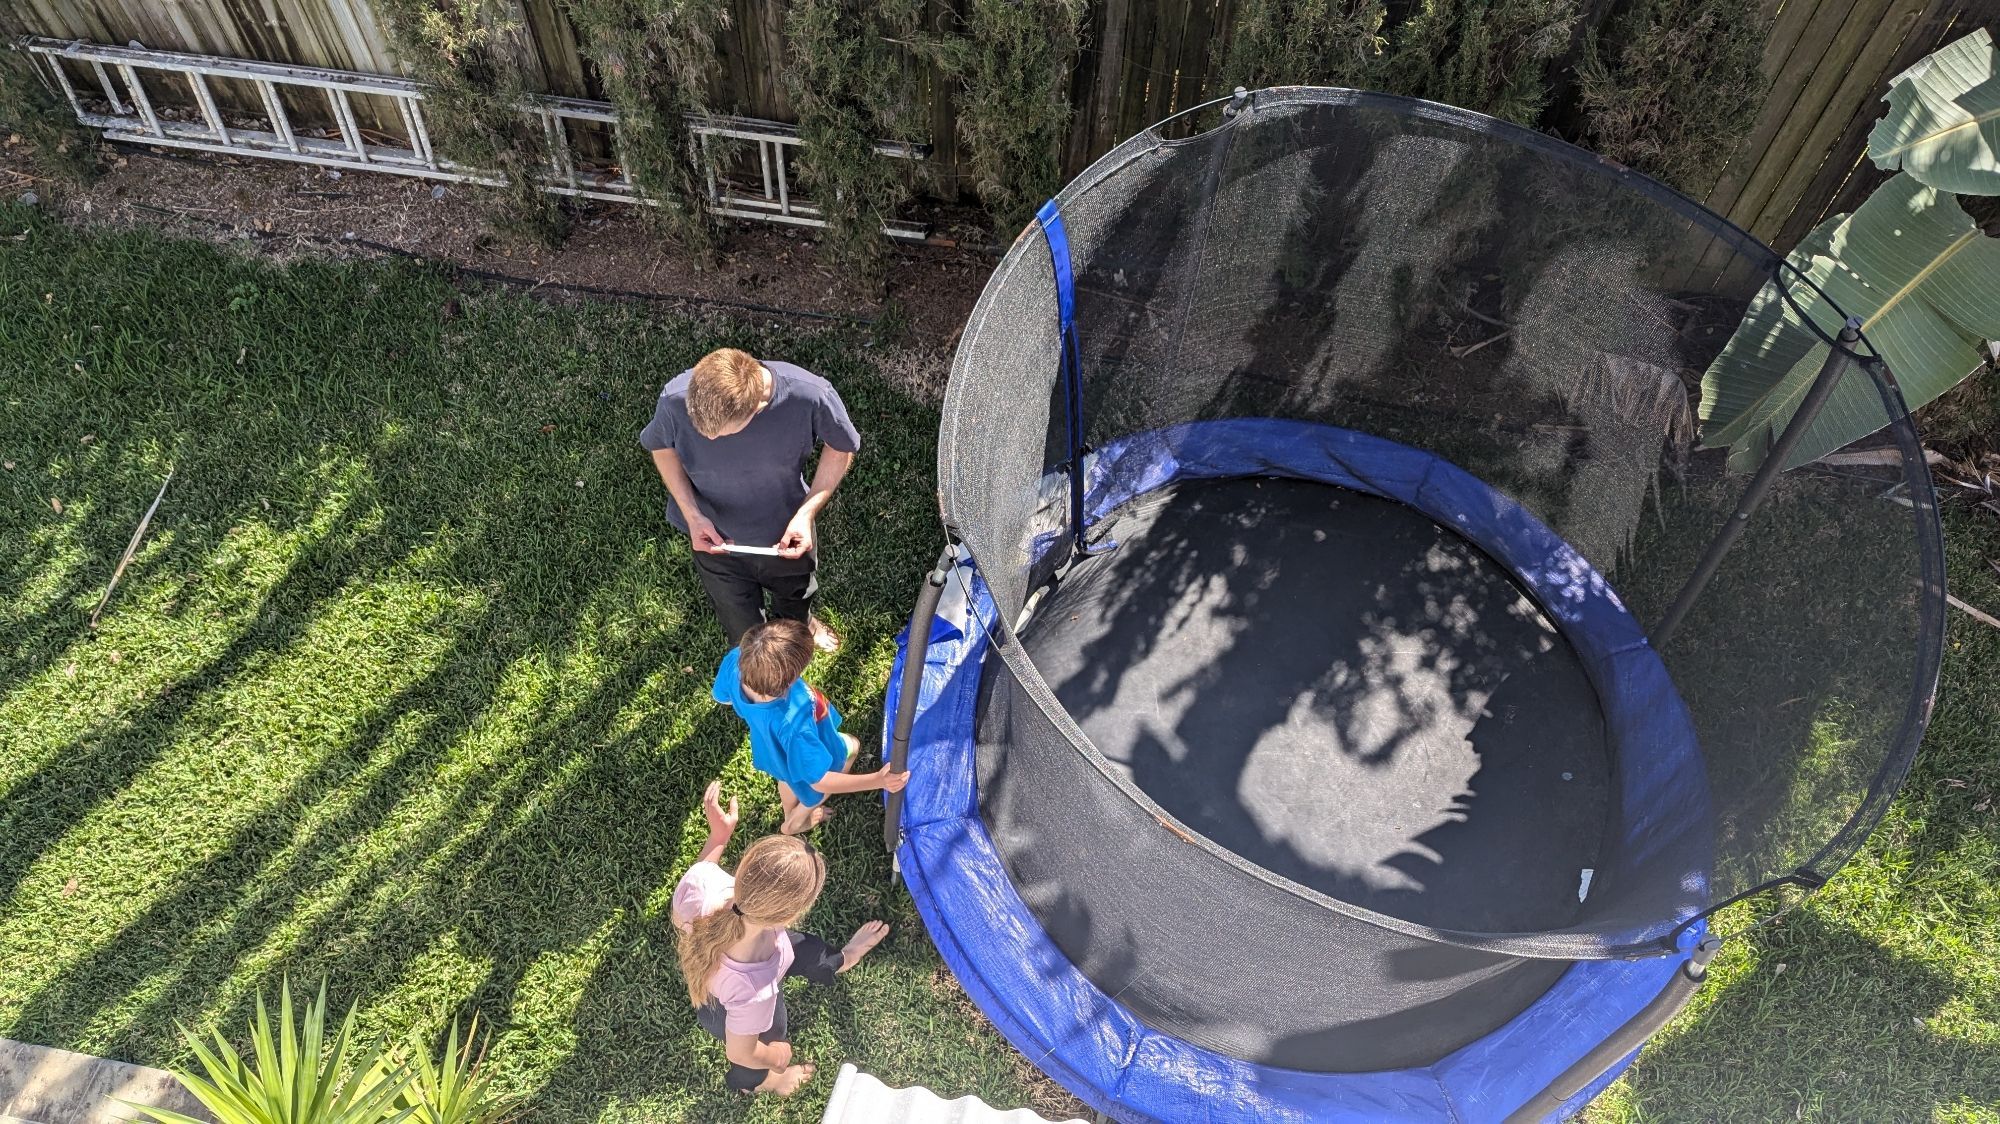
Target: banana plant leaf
<point x="1924" y="281"/>
<point x="1943" y="125"/>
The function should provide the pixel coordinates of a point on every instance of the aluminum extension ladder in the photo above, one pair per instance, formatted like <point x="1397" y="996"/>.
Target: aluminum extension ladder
<point x="133" y="118"/>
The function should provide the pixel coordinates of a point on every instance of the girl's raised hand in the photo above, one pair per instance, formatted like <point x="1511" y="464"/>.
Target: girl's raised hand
<point x="719" y="821"/>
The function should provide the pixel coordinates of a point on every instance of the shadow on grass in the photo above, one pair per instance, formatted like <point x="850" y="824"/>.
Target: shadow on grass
<point x="452" y="841"/>
<point x="1844" y="1032"/>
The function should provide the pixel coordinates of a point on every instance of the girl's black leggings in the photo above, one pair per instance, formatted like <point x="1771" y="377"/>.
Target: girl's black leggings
<point x="812" y="958"/>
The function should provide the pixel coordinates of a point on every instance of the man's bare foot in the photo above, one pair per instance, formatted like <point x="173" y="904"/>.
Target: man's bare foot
<point x="804" y="819"/>
<point x="862" y="943"/>
<point x="784" y="1082"/>
<point x="824" y="637"/>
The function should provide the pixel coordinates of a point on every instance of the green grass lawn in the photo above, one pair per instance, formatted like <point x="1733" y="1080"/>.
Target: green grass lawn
<point x="407" y="690"/>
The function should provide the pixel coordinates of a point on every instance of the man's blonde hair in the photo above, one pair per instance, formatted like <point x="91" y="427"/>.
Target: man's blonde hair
<point x="726" y="389"/>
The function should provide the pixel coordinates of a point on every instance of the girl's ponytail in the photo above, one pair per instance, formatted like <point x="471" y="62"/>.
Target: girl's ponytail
<point x="701" y="948"/>
<point x="776" y="884"/>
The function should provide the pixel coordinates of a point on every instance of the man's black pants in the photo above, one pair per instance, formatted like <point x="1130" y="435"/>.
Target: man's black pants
<point x="812" y="958"/>
<point x="736" y="585"/>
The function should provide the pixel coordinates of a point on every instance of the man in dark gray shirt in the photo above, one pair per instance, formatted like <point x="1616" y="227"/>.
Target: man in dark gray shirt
<point x="731" y="437"/>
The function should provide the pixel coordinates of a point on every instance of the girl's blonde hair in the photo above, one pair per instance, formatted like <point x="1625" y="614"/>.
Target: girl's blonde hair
<point x="777" y="881"/>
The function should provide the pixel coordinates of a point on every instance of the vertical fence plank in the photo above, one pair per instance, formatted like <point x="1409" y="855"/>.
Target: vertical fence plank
<point x="1098" y="86"/>
<point x="1793" y="147"/>
<point x="1789" y="57"/>
<point x="1786" y="116"/>
<point x="1860" y="85"/>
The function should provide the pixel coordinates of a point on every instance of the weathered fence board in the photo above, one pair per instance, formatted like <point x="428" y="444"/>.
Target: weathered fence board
<point x="1846" y="175"/>
<point x="1142" y="60"/>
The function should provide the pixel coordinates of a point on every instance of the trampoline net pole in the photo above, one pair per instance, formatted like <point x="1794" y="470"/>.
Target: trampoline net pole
<point x="1627" y="1038"/>
<point x="1049" y="218"/>
<point x="1837" y="362"/>
<point x="914" y="651"/>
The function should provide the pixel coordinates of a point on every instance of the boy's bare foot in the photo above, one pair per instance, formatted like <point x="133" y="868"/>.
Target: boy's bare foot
<point x="784" y="1082"/>
<point x="824" y="637"/>
<point x="803" y="819"/>
<point x="862" y="943"/>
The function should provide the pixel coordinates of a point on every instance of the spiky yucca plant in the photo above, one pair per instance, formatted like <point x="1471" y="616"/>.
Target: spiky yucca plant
<point x="294" y="1075"/>
<point x="455" y="1089"/>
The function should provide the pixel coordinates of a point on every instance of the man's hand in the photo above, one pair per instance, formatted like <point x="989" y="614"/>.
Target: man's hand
<point x="719" y="822"/>
<point x="706" y="538"/>
<point x="798" y="539"/>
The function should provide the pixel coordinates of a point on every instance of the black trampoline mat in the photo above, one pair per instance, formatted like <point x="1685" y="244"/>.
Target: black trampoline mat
<point x="1340" y="691"/>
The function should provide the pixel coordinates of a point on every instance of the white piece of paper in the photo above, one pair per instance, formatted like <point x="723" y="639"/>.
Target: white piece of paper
<point x="768" y="551"/>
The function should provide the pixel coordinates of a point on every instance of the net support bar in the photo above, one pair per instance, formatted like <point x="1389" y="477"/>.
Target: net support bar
<point x="1838" y="359"/>
<point x="1049" y="218"/>
<point x="917" y="645"/>
<point x="1627" y="1038"/>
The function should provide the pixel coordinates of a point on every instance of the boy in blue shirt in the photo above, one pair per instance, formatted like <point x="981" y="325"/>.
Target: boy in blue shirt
<point x="794" y="732"/>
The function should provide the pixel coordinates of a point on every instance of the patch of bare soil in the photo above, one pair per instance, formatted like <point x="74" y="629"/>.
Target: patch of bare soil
<point x="291" y="210"/>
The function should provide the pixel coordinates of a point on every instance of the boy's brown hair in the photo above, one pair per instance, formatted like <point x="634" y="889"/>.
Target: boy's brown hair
<point x="725" y="390"/>
<point x="774" y="655"/>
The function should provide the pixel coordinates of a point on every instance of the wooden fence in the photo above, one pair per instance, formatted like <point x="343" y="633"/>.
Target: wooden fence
<point x="1828" y="61"/>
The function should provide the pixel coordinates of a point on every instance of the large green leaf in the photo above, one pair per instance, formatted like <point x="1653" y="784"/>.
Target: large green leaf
<point x="1926" y="285"/>
<point x="1943" y="125"/>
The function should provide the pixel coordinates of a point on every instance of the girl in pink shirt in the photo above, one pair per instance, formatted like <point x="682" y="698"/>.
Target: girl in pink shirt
<point x="737" y="946"/>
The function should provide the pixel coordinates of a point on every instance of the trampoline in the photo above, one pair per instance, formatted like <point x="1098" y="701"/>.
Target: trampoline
<point x="1351" y="689"/>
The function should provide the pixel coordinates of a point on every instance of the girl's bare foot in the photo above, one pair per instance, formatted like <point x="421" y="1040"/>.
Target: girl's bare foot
<point x="784" y="1082"/>
<point x="861" y="943"/>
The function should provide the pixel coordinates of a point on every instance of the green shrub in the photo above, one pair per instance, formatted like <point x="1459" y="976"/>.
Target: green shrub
<point x="1012" y="61"/>
<point x="1674" y="85"/>
<point x="466" y="51"/>
<point x="1487" y="55"/>
<point x="656" y="59"/>
<point x="294" y="1074"/>
<point x="60" y="147"/>
<point x="455" y="1089"/>
<point x="1305" y="43"/>
<point x="851" y="83"/>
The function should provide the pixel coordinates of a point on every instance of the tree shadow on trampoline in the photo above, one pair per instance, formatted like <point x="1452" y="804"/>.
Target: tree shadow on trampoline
<point x="1340" y="691"/>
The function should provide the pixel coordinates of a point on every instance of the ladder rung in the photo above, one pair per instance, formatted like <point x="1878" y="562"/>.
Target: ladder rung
<point x="343" y="114"/>
<point x="118" y="105"/>
<point x="207" y="101"/>
<point x="274" y="108"/>
<point x="68" y="90"/>
<point x="145" y="104"/>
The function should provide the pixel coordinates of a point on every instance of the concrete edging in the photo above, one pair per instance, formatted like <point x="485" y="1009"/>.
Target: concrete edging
<point x="44" y="1085"/>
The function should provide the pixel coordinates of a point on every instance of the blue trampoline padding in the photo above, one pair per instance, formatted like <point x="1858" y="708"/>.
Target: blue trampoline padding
<point x="1069" y="1028"/>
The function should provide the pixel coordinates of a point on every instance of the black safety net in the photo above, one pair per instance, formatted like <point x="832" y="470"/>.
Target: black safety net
<point x="1281" y="716"/>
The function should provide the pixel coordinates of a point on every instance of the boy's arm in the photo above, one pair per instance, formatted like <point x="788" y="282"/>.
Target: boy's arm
<point x="799" y="533"/>
<point x="674" y="475"/>
<point x="836" y="784"/>
<point x="721" y="824"/>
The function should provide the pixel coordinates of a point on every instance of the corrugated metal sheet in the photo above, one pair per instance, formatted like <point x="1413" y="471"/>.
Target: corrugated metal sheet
<point x="861" y="1099"/>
